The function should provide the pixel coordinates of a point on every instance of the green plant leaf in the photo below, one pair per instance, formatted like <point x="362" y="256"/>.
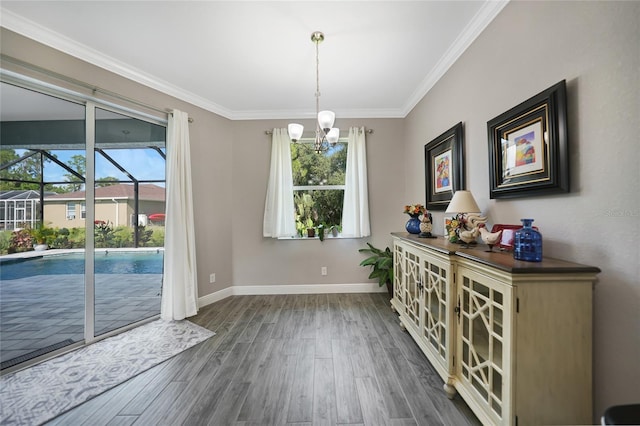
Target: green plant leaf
<point x="369" y="261"/>
<point x="385" y="263"/>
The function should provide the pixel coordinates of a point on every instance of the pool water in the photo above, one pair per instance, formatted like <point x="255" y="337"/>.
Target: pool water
<point x="105" y="263"/>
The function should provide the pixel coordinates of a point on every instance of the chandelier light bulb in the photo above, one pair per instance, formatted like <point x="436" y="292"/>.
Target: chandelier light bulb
<point x="326" y="119"/>
<point x="333" y="135"/>
<point x="295" y="131"/>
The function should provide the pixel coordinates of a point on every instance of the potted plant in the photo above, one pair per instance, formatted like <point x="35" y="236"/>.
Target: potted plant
<point x="381" y="262"/>
<point x="321" y="230"/>
<point x="311" y="231"/>
<point x="41" y="234"/>
<point x="325" y="229"/>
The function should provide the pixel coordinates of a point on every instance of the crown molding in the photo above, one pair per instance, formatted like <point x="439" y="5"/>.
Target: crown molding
<point x="480" y="21"/>
<point x="310" y="115"/>
<point x="34" y="31"/>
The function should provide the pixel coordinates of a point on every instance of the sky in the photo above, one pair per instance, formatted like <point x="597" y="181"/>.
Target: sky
<point x="143" y="164"/>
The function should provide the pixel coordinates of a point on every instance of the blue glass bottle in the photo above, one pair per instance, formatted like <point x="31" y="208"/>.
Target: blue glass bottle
<point x="528" y="243"/>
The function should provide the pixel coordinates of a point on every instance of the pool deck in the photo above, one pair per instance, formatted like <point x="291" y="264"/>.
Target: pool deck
<point x="43" y="311"/>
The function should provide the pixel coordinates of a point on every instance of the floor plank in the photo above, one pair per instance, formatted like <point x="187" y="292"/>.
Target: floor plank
<point x="347" y="403"/>
<point x="301" y="400"/>
<point x="324" y="393"/>
<point x="287" y="360"/>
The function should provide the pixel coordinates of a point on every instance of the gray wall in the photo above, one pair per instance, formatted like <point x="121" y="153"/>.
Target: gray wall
<point x="526" y="49"/>
<point x="266" y="261"/>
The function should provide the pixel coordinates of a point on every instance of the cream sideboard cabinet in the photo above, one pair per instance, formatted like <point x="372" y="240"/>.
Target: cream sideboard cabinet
<point x="512" y="338"/>
<point x="423" y="295"/>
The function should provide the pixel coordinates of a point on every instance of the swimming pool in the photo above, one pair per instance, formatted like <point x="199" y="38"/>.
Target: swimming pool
<point x="127" y="262"/>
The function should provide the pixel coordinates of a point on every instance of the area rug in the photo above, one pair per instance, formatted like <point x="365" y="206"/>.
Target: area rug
<point x="41" y="392"/>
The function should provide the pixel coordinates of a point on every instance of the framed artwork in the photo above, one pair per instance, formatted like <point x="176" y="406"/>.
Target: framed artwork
<point x="528" y="152"/>
<point x="444" y="167"/>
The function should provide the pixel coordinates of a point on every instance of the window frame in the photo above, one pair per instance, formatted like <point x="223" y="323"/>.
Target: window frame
<point x="70" y="210"/>
<point x="310" y="141"/>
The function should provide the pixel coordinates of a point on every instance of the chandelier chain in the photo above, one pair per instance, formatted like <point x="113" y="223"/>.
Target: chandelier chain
<point x="319" y="138"/>
<point x="317" y="71"/>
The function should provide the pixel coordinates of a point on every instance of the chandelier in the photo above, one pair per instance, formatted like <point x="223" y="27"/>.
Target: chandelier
<point x="326" y="134"/>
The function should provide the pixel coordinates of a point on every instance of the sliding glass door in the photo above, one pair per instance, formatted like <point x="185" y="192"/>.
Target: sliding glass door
<point x="41" y="297"/>
<point x="81" y="235"/>
<point x="129" y="206"/>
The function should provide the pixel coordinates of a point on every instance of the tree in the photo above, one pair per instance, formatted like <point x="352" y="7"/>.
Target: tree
<point x="78" y="163"/>
<point x="25" y="174"/>
<point x="106" y="181"/>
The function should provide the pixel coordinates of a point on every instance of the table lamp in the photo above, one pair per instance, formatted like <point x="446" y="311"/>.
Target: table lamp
<point x="468" y="215"/>
<point x="463" y="202"/>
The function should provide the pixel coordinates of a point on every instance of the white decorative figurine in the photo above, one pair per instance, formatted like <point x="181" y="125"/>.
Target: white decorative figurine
<point x="469" y="236"/>
<point x="489" y="238"/>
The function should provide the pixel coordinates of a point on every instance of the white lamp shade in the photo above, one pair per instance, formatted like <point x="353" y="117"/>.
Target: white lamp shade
<point x="333" y="135"/>
<point x="326" y="119"/>
<point x="295" y="131"/>
<point x="463" y="202"/>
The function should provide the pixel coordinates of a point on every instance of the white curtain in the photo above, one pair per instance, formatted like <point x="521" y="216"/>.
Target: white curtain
<point x="279" y="219"/>
<point x="180" y="284"/>
<point x="355" y="212"/>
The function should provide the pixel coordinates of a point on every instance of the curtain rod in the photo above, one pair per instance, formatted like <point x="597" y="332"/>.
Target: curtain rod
<point x="270" y="132"/>
<point x="94" y="89"/>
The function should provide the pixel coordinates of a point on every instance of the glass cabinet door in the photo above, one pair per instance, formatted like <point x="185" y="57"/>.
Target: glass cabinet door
<point x="412" y="284"/>
<point x="484" y="339"/>
<point x="398" y="274"/>
<point x="435" y="295"/>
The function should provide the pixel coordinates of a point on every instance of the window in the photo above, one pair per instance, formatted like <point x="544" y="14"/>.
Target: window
<point x="71" y="210"/>
<point x="318" y="185"/>
<point x="331" y="187"/>
<point x="83" y="210"/>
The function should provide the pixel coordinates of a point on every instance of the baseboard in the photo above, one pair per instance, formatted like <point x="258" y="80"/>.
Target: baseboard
<point x="246" y="290"/>
<point x="215" y="297"/>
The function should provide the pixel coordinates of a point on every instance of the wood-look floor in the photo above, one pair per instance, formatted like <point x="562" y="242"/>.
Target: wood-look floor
<point x="286" y="360"/>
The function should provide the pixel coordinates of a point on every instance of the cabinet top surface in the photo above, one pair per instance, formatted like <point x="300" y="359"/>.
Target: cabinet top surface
<point x="502" y="260"/>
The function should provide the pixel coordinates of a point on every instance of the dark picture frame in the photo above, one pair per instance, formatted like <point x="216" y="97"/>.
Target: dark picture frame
<point x="528" y="147"/>
<point x="444" y="167"/>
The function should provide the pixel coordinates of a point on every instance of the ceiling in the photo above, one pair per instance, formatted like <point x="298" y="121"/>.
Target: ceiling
<point x="255" y="59"/>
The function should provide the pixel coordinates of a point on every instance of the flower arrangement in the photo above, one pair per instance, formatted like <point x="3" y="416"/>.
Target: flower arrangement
<point x="415" y="209"/>
<point x="461" y="222"/>
<point x="452" y="227"/>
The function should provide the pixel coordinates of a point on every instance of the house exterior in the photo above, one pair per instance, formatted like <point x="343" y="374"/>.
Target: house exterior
<point x="20" y="208"/>
<point x="115" y="204"/>
<point x="528" y="47"/>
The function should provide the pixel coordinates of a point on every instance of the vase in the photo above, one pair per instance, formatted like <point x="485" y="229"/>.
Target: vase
<point x="413" y="224"/>
<point x="527" y="244"/>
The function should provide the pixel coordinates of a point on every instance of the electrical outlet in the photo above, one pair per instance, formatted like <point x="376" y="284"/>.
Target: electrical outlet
<point x="323" y="270"/>
<point x="212" y="278"/>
